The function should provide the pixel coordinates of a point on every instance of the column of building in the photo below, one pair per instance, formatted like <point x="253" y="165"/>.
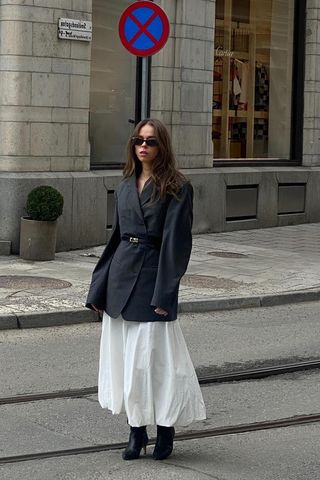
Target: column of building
<point x="44" y="95"/>
<point x="44" y="106"/>
<point x="182" y="80"/>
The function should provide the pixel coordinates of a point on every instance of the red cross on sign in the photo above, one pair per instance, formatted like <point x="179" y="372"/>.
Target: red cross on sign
<point x="143" y="28"/>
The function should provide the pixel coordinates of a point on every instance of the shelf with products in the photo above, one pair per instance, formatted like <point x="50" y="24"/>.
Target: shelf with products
<point x="240" y="113"/>
<point x="240" y="86"/>
<point x="235" y="25"/>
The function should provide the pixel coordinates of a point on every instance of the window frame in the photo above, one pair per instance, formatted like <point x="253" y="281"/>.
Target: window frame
<point x="297" y="101"/>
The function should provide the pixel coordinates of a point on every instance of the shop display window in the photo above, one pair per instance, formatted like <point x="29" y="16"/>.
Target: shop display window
<point x="252" y="79"/>
<point x="112" y="86"/>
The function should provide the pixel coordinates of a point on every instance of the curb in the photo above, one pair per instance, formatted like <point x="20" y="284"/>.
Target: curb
<point x="84" y="315"/>
<point x="225" y="303"/>
<point x="47" y="319"/>
<point x="232" y="303"/>
<point x="8" y="322"/>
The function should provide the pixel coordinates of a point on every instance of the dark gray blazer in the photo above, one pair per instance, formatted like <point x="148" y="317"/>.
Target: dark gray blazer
<point x="133" y="279"/>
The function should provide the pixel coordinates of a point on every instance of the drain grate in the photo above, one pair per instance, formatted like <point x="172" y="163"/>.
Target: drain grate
<point x="227" y="254"/>
<point x="25" y="282"/>
<point x="205" y="281"/>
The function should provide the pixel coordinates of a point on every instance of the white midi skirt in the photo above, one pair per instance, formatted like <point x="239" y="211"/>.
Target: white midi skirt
<point x="145" y="371"/>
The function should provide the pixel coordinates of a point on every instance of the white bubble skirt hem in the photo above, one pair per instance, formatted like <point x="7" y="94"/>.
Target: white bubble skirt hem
<point x="145" y="371"/>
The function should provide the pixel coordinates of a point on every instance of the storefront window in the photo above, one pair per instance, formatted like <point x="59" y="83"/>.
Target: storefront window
<point x="252" y="86"/>
<point x="112" y="87"/>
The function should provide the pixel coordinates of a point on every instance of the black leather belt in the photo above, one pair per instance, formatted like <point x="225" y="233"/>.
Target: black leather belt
<point x="151" y="242"/>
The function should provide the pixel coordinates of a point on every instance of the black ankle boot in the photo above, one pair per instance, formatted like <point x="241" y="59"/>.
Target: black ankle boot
<point x="164" y="443"/>
<point x="138" y="439"/>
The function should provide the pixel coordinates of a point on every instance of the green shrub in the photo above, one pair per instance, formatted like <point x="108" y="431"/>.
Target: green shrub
<point x="44" y="203"/>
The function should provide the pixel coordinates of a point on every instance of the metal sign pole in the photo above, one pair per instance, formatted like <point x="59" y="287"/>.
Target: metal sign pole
<point x="143" y="29"/>
<point x="144" y="88"/>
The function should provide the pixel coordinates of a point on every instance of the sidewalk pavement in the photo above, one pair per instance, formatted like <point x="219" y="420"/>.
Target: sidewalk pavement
<point x="248" y="268"/>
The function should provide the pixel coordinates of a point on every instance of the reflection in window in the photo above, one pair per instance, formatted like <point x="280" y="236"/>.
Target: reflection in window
<point x="252" y="82"/>
<point x="112" y="88"/>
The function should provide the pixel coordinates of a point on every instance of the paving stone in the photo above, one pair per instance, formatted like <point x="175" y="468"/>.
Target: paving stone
<point x="243" y="264"/>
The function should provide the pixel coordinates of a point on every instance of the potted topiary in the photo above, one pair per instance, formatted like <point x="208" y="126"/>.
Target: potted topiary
<point x="38" y="232"/>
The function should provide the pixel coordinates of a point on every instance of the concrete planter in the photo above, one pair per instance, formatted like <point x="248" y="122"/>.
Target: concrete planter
<point x="37" y="239"/>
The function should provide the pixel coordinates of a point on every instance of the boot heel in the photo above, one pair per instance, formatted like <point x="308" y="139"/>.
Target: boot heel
<point x="138" y="439"/>
<point x="145" y="443"/>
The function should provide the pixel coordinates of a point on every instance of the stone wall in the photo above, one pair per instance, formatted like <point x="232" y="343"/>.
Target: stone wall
<point x="181" y="87"/>
<point x="44" y="106"/>
<point x="44" y="95"/>
<point x="311" y="133"/>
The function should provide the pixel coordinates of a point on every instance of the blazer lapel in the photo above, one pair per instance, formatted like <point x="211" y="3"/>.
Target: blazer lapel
<point x="134" y="197"/>
<point x="146" y="193"/>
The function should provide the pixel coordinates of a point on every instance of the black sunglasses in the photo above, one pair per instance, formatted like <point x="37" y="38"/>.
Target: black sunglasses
<point x="151" y="142"/>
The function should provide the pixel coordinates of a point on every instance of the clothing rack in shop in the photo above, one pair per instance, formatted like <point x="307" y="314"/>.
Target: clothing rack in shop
<point x="223" y="116"/>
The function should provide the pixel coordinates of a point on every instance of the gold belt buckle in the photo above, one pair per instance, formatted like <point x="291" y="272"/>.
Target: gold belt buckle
<point x="134" y="240"/>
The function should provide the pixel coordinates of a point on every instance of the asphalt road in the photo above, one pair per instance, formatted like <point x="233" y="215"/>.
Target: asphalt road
<point x="78" y="422"/>
<point x="48" y="359"/>
<point x="282" y="454"/>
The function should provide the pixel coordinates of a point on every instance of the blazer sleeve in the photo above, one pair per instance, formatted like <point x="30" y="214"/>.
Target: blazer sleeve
<point x="175" y="248"/>
<point x="98" y="286"/>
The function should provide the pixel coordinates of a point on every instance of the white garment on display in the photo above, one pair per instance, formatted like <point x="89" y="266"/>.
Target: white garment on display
<point x="145" y="371"/>
<point x="236" y="85"/>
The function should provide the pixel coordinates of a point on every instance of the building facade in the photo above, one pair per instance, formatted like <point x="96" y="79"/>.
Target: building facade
<point x="238" y="85"/>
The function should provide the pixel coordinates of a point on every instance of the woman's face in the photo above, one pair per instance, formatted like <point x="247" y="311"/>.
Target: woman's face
<point x="145" y="153"/>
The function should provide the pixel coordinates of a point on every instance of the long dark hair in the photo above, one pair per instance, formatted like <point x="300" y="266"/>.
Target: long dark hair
<point x="167" y="179"/>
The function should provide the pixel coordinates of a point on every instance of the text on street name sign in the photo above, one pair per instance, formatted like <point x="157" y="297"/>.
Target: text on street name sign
<point x="71" y="29"/>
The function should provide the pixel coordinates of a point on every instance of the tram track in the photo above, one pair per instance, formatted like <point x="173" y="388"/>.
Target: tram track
<point x="236" y="376"/>
<point x="192" y="435"/>
<point x="243" y="375"/>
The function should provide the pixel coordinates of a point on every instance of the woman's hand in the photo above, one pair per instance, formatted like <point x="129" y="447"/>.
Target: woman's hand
<point x="100" y="312"/>
<point x="160" y="311"/>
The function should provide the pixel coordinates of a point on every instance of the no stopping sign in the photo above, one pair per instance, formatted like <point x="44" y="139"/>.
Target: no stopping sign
<point x="143" y="28"/>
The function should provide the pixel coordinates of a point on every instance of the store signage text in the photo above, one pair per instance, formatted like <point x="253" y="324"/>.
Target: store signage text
<point x="71" y="29"/>
<point x="223" y="53"/>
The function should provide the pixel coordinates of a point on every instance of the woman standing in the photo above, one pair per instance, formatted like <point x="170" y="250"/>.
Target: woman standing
<point x="145" y="368"/>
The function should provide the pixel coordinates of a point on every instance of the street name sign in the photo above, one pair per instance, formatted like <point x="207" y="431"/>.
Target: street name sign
<point x="71" y="29"/>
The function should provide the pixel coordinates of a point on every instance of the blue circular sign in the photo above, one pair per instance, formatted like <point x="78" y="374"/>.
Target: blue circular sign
<point x="144" y="28"/>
